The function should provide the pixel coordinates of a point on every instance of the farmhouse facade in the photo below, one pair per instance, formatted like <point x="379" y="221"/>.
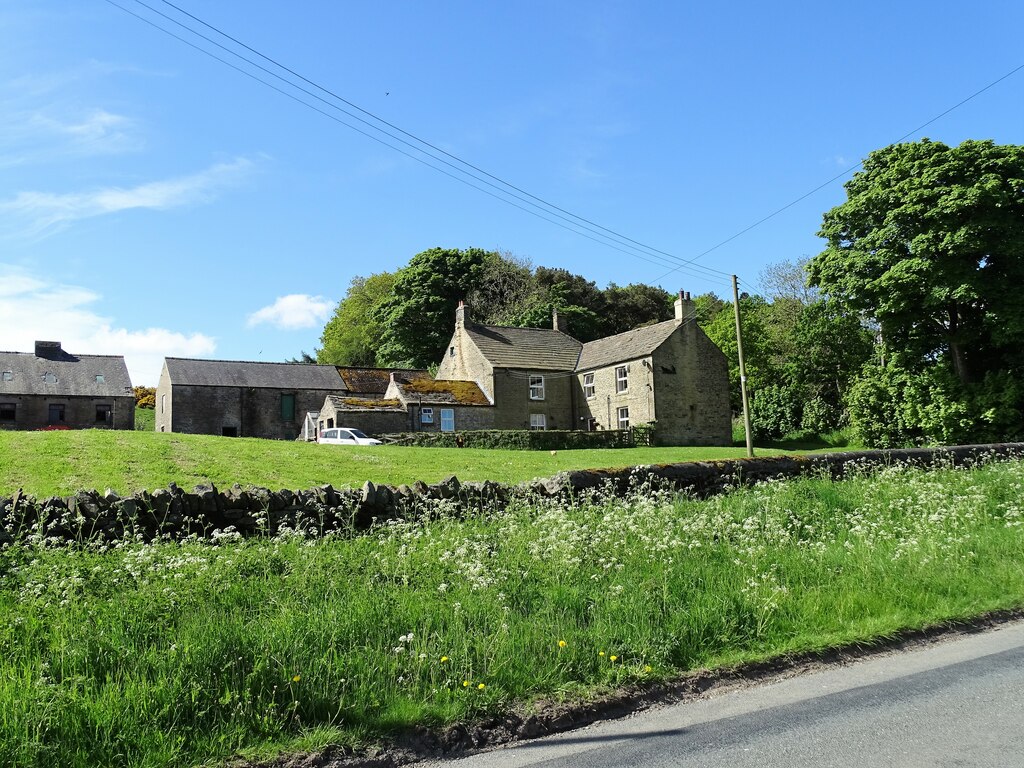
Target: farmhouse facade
<point x="669" y="374"/>
<point x="54" y="388"/>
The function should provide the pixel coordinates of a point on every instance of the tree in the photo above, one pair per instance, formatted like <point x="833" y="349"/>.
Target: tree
<point x="352" y="335"/>
<point x="929" y="244"/>
<point x="504" y="286"/>
<point x="635" y="305"/>
<point x="416" y="319"/>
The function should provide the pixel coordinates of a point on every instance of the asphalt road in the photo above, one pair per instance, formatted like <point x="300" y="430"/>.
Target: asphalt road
<point x="955" y="703"/>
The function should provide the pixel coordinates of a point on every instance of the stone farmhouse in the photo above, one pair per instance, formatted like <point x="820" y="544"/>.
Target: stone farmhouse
<point x="670" y="373"/>
<point x="54" y="388"/>
<point x="491" y="378"/>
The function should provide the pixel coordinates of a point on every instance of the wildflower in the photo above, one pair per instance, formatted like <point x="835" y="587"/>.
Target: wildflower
<point x="614" y="658"/>
<point x="444" y="659"/>
<point x="481" y="687"/>
<point x="296" y="678"/>
<point x="561" y="643"/>
<point x="648" y="668"/>
<point x="600" y="653"/>
<point x="465" y="683"/>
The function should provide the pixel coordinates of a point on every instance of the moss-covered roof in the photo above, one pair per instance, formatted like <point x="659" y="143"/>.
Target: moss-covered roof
<point x="424" y="389"/>
<point x="342" y="403"/>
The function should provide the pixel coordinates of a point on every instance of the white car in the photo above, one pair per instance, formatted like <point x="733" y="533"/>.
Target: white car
<point x="346" y="436"/>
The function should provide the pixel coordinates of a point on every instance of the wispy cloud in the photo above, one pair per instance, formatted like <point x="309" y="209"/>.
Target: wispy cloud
<point x="36" y="213"/>
<point x="292" y="312"/>
<point x="33" y="309"/>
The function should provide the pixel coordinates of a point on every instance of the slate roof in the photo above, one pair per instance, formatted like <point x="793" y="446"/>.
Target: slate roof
<point x="625" y="346"/>
<point x="419" y="387"/>
<point x="343" y="403"/>
<point x="240" y="373"/>
<point x="539" y="349"/>
<point x="76" y="374"/>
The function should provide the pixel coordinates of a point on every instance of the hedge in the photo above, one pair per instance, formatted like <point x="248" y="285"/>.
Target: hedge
<point x="517" y="439"/>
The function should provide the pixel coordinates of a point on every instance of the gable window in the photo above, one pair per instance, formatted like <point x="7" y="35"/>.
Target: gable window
<point x="589" y="390"/>
<point x="451" y="351"/>
<point x="50" y="378"/>
<point x="426" y="415"/>
<point x="287" y="407"/>
<point x="103" y="414"/>
<point x="100" y="378"/>
<point x="55" y="414"/>
<point x="163" y="403"/>
<point x="536" y="387"/>
<point x="538" y="421"/>
<point x="447" y="419"/>
<point x="8" y="376"/>
<point x="621" y="379"/>
<point x="623" y="418"/>
<point x="8" y="411"/>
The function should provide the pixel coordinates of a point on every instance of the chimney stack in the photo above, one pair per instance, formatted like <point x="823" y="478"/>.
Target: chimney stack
<point x="685" y="308"/>
<point x="462" y="316"/>
<point x="48" y="349"/>
<point x="559" y="323"/>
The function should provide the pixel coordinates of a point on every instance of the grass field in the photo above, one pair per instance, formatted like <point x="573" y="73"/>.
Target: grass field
<point x="179" y="654"/>
<point x="60" y="463"/>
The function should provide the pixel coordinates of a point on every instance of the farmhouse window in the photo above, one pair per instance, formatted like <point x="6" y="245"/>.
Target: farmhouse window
<point x="623" y="418"/>
<point x="8" y="375"/>
<point x="8" y="411"/>
<point x="621" y="379"/>
<point x="56" y="414"/>
<point x="100" y="378"/>
<point x="163" y="403"/>
<point x="426" y="415"/>
<point x="103" y="414"/>
<point x="538" y="421"/>
<point x="287" y="407"/>
<point x="447" y="419"/>
<point x="589" y="390"/>
<point x="536" y="387"/>
<point x="50" y="378"/>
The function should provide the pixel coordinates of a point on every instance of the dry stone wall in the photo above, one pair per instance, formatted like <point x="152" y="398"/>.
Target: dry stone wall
<point x="206" y="512"/>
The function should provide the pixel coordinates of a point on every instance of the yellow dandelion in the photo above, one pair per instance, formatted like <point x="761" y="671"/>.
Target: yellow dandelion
<point x="296" y="678"/>
<point x="647" y="668"/>
<point x="465" y="683"/>
<point x="444" y="659"/>
<point x="614" y="658"/>
<point x="561" y="643"/>
<point x="481" y="687"/>
<point x="600" y="653"/>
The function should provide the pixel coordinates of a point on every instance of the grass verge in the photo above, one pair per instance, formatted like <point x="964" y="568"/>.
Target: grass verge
<point x="176" y="654"/>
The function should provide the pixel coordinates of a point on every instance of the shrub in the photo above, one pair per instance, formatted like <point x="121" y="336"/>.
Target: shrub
<point x="518" y="439"/>
<point x="145" y="397"/>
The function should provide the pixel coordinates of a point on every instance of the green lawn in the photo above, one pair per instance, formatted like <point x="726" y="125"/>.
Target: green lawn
<point x="60" y="463"/>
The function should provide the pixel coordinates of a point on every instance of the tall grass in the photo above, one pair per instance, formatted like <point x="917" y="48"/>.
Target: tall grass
<point x="176" y="654"/>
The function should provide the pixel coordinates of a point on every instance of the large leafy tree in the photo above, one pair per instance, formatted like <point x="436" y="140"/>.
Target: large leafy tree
<point x="930" y="245"/>
<point x="416" y="319"/>
<point x="353" y="334"/>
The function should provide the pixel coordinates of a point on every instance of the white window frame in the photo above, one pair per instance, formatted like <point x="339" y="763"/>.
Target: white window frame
<point x="426" y="415"/>
<point x="623" y="414"/>
<point x="538" y="421"/>
<point x="447" y="419"/>
<point x="536" y="387"/>
<point x="589" y="388"/>
<point x="622" y="378"/>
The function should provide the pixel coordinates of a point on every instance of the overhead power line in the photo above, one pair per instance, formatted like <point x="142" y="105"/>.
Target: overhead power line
<point x="503" y="190"/>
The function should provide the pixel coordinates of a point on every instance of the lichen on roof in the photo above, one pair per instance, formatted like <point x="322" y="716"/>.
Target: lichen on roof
<point x="363" y="402"/>
<point x="461" y="392"/>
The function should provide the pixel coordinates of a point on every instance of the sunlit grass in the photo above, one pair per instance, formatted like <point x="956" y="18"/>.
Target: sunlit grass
<point x="175" y="654"/>
<point x="60" y="463"/>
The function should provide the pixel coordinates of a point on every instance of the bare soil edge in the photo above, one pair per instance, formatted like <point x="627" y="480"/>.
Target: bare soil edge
<point x="548" y="718"/>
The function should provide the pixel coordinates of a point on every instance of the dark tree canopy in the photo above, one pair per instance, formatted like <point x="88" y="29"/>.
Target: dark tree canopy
<point x="930" y="244"/>
<point x="352" y="336"/>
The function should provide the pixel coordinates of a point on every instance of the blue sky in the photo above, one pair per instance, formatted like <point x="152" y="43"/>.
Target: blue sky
<point x="156" y="202"/>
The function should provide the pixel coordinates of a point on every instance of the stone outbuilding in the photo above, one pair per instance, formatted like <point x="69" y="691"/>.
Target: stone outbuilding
<point x="436" y="405"/>
<point x="239" y="398"/>
<point x="374" y="416"/>
<point x="54" y="388"/>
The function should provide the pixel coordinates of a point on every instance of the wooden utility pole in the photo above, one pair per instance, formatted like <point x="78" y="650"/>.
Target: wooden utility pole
<point x="743" y="370"/>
